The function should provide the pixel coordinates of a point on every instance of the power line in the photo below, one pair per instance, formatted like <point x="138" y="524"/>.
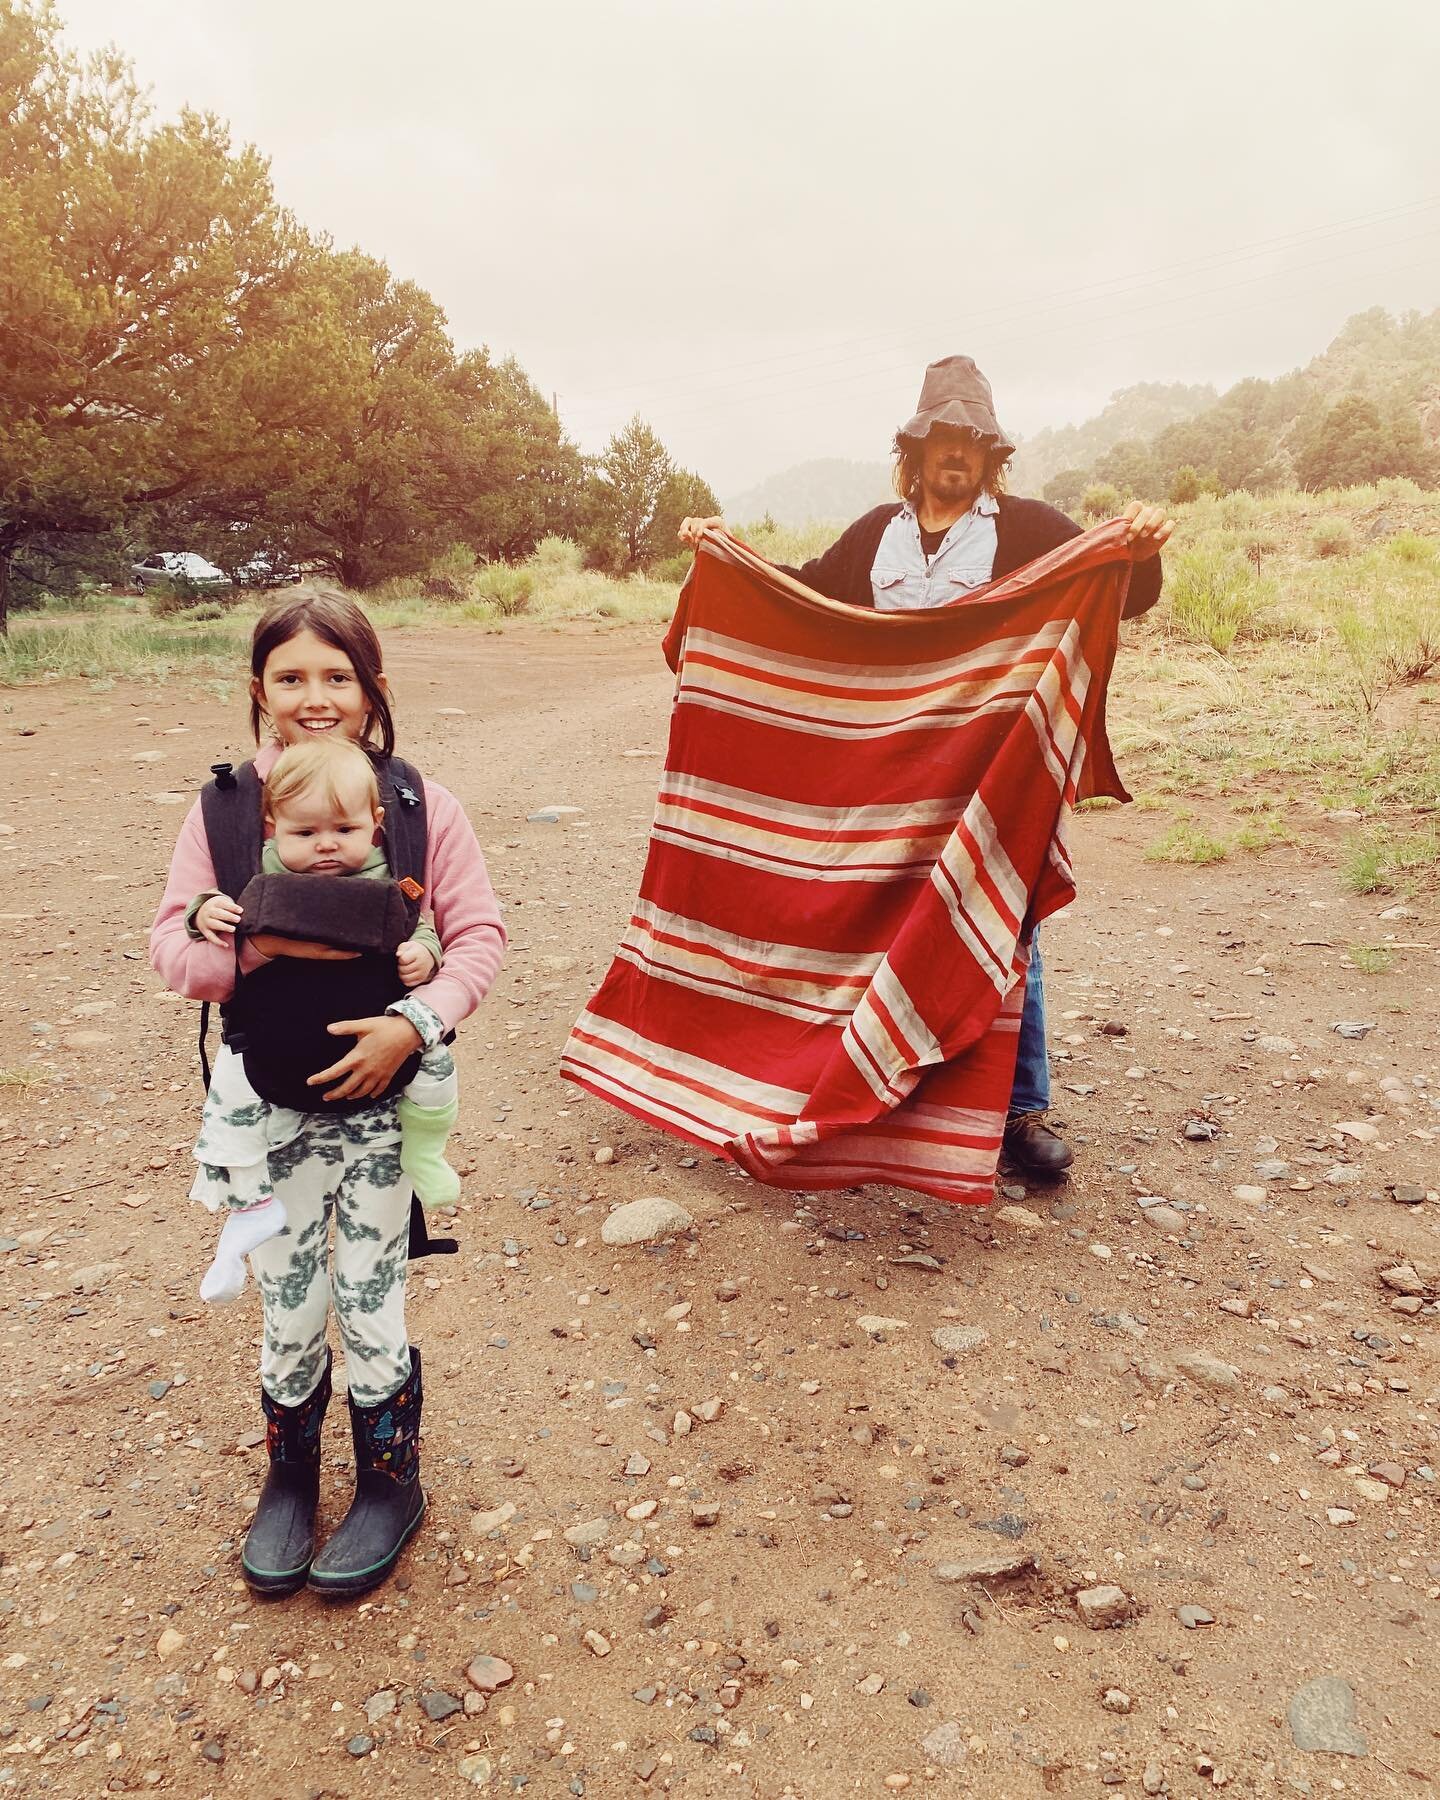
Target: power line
<point x="790" y="389"/>
<point x="1109" y="288"/>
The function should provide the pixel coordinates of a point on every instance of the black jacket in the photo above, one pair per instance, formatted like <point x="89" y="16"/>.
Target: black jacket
<point x="1024" y="529"/>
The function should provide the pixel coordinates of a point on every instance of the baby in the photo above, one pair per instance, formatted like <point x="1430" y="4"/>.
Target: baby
<point x="323" y="813"/>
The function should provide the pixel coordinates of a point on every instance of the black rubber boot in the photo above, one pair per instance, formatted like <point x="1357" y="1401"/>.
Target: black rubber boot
<point x="281" y="1541"/>
<point x="389" y="1502"/>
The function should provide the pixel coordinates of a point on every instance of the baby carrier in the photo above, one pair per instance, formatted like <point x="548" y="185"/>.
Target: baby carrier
<point x="276" y="1019"/>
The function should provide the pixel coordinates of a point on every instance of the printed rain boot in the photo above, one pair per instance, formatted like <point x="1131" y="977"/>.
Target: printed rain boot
<point x="389" y="1502"/>
<point x="279" y="1546"/>
<point x="423" y="1132"/>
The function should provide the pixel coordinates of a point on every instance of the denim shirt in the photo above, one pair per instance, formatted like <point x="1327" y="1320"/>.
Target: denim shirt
<point x="902" y="581"/>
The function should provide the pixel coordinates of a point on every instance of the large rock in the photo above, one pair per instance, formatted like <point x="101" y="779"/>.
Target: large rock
<point x="945" y="1745"/>
<point x="1103" y="1607"/>
<point x="959" y="1340"/>
<point x="1322" y="1718"/>
<point x="642" y="1221"/>
<point x="986" y="1565"/>
<point x="1207" y="1370"/>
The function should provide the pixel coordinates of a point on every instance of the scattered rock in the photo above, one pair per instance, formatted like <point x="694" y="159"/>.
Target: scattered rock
<point x="641" y="1221"/>
<point x="476" y="1769"/>
<point x="360" y="1746"/>
<point x="1361" y="1130"/>
<point x="1103" y="1607"/>
<point x="1275" y="1046"/>
<point x="169" y="1641"/>
<point x="482" y="1524"/>
<point x="945" y="1745"/>
<point x="605" y="1155"/>
<point x="1322" y="1718"/>
<point x="1354" y="1029"/>
<point x="380" y="1706"/>
<point x="1167" y="1219"/>
<point x="593" y="1531"/>
<point x="438" y="1705"/>
<point x="596" y="1643"/>
<point x="959" y="1340"/>
<point x="1207" y="1370"/>
<point x="1116" y="1700"/>
<point x="1021" y="1217"/>
<point x="987" y="1565"/>
<point x="875" y="1325"/>
<point x="1404" y="1279"/>
<point x="488" y="1674"/>
<point x="1192" y="1616"/>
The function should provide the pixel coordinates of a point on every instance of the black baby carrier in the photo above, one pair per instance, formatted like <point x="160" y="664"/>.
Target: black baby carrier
<point x="277" y="1018"/>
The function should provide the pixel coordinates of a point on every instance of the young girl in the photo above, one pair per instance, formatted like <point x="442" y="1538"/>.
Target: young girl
<point x="324" y="818"/>
<point x="316" y="671"/>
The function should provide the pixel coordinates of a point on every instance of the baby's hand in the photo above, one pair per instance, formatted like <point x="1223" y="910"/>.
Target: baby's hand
<point x="216" y="920"/>
<point x="416" y="963"/>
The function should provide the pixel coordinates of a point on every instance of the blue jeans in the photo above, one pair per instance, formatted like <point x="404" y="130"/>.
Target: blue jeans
<point x="1031" y="1092"/>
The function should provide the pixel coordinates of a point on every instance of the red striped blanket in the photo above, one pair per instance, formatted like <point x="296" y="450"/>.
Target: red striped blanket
<point x="861" y="817"/>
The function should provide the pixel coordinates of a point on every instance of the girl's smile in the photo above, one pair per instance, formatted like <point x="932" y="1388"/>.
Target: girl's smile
<point x="309" y="687"/>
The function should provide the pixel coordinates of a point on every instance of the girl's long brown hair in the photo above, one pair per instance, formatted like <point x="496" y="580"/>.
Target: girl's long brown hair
<point x="335" y="619"/>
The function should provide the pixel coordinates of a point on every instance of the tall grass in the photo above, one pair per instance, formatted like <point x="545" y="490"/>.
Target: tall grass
<point x="1215" y="596"/>
<point x="104" y="649"/>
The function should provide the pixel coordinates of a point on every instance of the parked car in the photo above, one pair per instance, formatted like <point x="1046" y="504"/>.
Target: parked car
<point x="177" y="566"/>
<point x="266" y="569"/>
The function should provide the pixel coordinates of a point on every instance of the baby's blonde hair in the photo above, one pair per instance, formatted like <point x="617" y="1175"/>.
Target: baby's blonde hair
<point x="338" y="767"/>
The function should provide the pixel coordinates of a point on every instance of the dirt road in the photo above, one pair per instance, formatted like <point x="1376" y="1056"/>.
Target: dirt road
<point x="1222" y="1405"/>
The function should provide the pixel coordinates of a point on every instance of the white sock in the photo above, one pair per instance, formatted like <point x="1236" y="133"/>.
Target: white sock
<point x="242" y="1232"/>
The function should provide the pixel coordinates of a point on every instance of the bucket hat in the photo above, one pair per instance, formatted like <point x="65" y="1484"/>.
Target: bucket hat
<point x="954" y="392"/>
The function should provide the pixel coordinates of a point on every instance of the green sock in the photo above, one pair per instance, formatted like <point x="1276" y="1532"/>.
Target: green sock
<point x="423" y="1133"/>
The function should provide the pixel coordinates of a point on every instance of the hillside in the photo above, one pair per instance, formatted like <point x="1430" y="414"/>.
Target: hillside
<point x="1140" y="411"/>
<point x="1366" y="408"/>
<point x="827" y="487"/>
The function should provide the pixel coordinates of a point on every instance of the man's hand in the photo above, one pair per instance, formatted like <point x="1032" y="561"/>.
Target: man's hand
<point x="415" y="962"/>
<point x="269" y="943"/>
<point x="383" y="1044"/>
<point x="216" y="920"/>
<point x="691" y="530"/>
<point x="1149" y="529"/>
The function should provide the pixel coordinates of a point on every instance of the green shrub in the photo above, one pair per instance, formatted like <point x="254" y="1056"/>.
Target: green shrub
<point x="1184" y="485"/>
<point x="202" y="613"/>
<point x="450" y="575"/>
<point x="553" y="557"/>
<point x="1410" y="547"/>
<point x="1187" y="842"/>
<point x="1333" y="537"/>
<point x="1101" y="501"/>
<point x="508" y="589"/>
<point x="1213" y="596"/>
<point x="174" y="595"/>
<point x="673" y="568"/>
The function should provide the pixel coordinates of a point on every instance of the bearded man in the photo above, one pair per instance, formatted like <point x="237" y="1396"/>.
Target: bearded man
<point x="953" y="530"/>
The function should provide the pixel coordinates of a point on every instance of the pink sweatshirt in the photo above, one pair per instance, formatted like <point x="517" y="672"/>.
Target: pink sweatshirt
<point x="457" y="892"/>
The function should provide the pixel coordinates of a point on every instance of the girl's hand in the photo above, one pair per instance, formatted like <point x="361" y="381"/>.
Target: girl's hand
<point x="268" y="943"/>
<point x="415" y="962"/>
<point x="691" y="530"/>
<point x="365" y="1073"/>
<point x="216" y="920"/>
<point x="1149" y="528"/>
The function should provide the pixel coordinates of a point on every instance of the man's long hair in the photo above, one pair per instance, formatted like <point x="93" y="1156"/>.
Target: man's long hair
<point x="906" y="474"/>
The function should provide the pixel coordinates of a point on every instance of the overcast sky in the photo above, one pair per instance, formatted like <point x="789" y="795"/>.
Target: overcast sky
<point x="755" y="221"/>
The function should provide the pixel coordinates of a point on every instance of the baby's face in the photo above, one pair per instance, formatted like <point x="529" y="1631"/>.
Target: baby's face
<point x="317" y="836"/>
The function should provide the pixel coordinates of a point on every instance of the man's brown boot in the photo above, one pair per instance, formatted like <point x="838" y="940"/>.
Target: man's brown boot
<point x="1034" y="1147"/>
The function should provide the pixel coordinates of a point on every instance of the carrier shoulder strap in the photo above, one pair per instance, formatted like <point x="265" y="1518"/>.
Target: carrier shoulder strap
<point x="231" y="806"/>
<point x="407" y="825"/>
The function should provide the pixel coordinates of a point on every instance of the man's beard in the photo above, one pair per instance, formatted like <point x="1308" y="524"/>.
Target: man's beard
<point x="949" y="486"/>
